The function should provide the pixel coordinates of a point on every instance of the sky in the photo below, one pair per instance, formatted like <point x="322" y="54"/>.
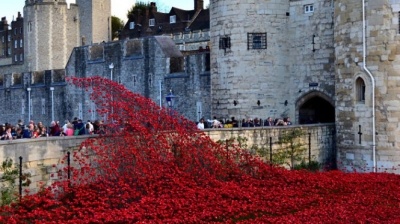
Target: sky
<point x="119" y="8"/>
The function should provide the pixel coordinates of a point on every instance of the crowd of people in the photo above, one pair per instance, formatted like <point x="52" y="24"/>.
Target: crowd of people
<point x="78" y="127"/>
<point x="233" y="123"/>
<point x="36" y="130"/>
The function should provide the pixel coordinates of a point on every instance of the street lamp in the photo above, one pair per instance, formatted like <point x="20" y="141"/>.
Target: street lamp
<point x="52" y="103"/>
<point x="111" y="67"/>
<point x="29" y="103"/>
<point x="170" y="99"/>
<point x="160" y="85"/>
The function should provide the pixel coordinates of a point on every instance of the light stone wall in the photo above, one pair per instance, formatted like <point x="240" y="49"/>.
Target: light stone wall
<point x="311" y="53"/>
<point x="41" y="157"/>
<point x="53" y="29"/>
<point x="281" y="72"/>
<point x="322" y="138"/>
<point x="95" y="20"/>
<point x="193" y="40"/>
<point x="249" y="75"/>
<point x="47" y="32"/>
<point x="382" y="59"/>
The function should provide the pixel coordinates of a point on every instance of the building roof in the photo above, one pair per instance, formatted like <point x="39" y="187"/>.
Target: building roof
<point x="168" y="46"/>
<point x="185" y="19"/>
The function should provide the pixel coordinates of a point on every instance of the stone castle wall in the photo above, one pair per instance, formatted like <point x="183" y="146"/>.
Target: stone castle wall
<point x="355" y="116"/>
<point x="15" y="98"/>
<point x="141" y="64"/>
<point x="52" y="29"/>
<point x="43" y="158"/>
<point x="311" y="53"/>
<point x="192" y="40"/>
<point x="95" y="20"/>
<point x="320" y="138"/>
<point x="48" y="39"/>
<point x="299" y="52"/>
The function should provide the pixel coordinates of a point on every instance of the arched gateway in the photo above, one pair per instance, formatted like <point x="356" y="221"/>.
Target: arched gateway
<point x="315" y="107"/>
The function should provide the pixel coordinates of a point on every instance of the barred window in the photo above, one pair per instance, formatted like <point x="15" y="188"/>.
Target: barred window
<point x="256" y="41"/>
<point x="224" y="43"/>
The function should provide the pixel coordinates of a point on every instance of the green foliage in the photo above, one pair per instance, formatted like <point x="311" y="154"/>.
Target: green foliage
<point x="291" y="148"/>
<point x="290" y="151"/>
<point x="138" y="7"/>
<point x="311" y="166"/>
<point x="116" y="25"/>
<point x="141" y="7"/>
<point x="8" y="187"/>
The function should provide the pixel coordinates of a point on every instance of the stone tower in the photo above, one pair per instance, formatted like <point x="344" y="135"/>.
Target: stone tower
<point x="248" y="57"/>
<point x="270" y="58"/>
<point x="50" y="34"/>
<point x="52" y="30"/>
<point x="367" y="83"/>
<point x="95" y="20"/>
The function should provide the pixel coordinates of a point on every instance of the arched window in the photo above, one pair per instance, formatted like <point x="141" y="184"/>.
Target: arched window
<point x="360" y="90"/>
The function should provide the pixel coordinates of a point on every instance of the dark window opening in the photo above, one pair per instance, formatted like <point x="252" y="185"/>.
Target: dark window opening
<point x="208" y="62"/>
<point x="256" y="41"/>
<point x="224" y="43"/>
<point x="58" y="75"/>
<point x="360" y="90"/>
<point x="176" y="65"/>
<point x="38" y="77"/>
<point x="17" y="79"/>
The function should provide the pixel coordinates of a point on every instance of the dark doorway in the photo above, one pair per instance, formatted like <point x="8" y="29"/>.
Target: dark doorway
<point x="316" y="110"/>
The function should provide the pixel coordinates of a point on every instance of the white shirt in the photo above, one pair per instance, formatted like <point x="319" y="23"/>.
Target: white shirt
<point x="200" y="126"/>
<point x="64" y="128"/>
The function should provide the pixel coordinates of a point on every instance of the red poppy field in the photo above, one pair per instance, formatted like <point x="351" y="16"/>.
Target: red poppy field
<point x="154" y="166"/>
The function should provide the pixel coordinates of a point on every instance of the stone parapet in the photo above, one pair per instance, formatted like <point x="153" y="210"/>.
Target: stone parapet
<point x="319" y="138"/>
<point x="43" y="157"/>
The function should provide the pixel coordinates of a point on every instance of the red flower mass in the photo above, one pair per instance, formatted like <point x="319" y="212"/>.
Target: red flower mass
<point x="153" y="166"/>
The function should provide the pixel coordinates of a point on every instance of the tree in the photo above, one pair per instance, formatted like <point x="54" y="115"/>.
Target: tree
<point x="116" y="25"/>
<point x="142" y="6"/>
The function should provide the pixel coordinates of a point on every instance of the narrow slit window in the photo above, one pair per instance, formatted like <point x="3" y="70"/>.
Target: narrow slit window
<point x="360" y="88"/>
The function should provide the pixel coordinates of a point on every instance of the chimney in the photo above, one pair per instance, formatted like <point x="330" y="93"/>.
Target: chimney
<point x="198" y="5"/>
<point x="4" y="24"/>
<point x="153" y="7"/>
